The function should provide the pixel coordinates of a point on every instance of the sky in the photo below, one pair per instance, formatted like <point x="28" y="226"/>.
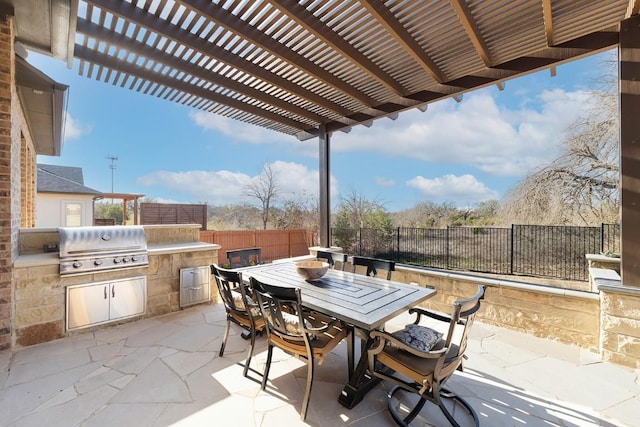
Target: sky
<point x="455" y="152"/>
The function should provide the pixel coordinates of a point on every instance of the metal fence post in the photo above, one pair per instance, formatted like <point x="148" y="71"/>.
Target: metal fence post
<point x="601" y="237"/>
<point x="511" y="252"/>
<point x="447" y="247"/>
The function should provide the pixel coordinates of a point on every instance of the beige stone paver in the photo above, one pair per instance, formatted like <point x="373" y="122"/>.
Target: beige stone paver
<point x="167" y="372"/>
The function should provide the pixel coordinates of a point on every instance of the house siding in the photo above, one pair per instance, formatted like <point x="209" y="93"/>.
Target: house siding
<point x="50" y="209"/>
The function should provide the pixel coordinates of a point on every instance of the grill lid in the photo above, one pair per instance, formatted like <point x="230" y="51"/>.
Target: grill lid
<point x="94" y="241"/>
<point x="84" y="250"/>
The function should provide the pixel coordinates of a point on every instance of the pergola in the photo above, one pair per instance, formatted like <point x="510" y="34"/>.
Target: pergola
<point x="125" y="197"/>
<point x="309" y="68"/>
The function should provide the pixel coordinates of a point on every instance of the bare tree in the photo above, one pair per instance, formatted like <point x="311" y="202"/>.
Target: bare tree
<point x="358" y="210"/>
<point x="298" y="211"/>
<point x="582" y="184"/>
<point x="264" y="188"/>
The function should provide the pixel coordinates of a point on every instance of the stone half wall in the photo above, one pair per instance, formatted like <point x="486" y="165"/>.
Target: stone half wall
<point x="620" y="316"/>
<point x="567" y="316"/>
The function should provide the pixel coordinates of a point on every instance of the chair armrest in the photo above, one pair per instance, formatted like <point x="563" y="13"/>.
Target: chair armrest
<point x="431" y="314"/>
<point x="320" y="322"/>
<point x="383" y="338"/>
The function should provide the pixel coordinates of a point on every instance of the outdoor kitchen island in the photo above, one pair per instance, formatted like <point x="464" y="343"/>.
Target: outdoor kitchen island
<point x="41" y="291"/>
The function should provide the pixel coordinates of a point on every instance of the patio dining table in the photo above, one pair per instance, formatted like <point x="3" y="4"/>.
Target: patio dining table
<point x="363" y="302"/>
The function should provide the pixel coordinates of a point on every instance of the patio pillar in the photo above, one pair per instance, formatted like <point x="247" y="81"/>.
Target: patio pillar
<point x="325" y="182"/>
<point x="629" y="86"/>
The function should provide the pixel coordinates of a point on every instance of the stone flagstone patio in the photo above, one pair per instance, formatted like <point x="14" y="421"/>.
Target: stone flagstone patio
<point x="166" y="371"/>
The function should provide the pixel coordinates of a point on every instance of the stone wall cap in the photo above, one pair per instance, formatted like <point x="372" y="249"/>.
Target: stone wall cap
<point x="602" y="258"/>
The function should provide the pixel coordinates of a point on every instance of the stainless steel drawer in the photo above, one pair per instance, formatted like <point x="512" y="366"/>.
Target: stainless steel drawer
<point x="195" y="285"/>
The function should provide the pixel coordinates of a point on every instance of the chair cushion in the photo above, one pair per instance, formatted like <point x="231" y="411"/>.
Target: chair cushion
<point x="292" y="323"/>
<point x="418" y="337"/>
<point x="241" y="305"/>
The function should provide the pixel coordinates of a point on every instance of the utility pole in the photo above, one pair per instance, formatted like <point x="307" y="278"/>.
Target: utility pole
<point x="112" y="166"/>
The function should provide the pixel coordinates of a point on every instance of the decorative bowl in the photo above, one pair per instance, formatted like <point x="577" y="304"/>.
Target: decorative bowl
<point x="312" y="270"/>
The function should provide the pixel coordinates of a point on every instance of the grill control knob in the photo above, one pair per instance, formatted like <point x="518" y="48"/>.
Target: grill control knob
<point x="117" y="260"/>
<point x="77" y="264"/>
<point x="97" y="262"/>
<point x="126" y="259"/>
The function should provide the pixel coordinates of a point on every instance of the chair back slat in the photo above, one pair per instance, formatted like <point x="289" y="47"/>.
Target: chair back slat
<point x="462" y="318"/>
<point x="373" y="265"/>
<point x="228" y="283"/>
<point x="332" y="258"/>
<point x="244" y="257"/>
<point x="281" y="310"/>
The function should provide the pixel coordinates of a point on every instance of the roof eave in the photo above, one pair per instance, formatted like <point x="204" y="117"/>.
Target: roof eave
<point x="44" y="103"/>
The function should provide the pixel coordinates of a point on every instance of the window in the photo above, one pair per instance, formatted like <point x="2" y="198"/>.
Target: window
<point x="73" y="214"/>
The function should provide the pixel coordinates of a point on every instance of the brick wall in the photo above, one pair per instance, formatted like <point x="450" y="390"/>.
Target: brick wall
<point x="28" y="185"/>
<point x="7" y="159"/>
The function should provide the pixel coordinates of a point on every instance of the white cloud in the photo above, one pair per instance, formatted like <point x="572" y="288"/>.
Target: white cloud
<point x="461" y="190"/>
<point x="74" y="129"/>
<point x="236" y="129"/>
<point x="385" y="182"/>
<point x="476" y="132"/>
<point x="225" y="187"/>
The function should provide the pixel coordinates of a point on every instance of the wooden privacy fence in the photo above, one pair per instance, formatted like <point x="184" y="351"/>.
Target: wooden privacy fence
<point x="275" y="244"/>
<point x="165" y="213"/>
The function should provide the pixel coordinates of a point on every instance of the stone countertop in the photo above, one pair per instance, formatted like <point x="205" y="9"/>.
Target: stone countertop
<point x="52" y="258"/>
<point x="36" y="260"/>
<point x="181" y="247"/>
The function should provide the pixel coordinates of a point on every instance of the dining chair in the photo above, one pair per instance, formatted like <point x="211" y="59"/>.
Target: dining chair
<point x="244" y="257"/>
<point x="240" y="306"/>
<point x="373" y="264"/>
<point x="420" y="360"/>
<point x="300" y="332"/>
<point x="332" y="258"/>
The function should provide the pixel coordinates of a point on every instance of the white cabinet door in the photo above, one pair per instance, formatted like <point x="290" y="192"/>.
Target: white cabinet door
<point x="87" y="305"/>
<point x="128" y="298"/>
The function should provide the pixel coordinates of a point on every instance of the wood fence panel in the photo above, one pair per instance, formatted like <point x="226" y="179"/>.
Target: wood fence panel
<point x="178" y="213"/>
<point x="275" y="244"/>
<point x="104" y="221"/>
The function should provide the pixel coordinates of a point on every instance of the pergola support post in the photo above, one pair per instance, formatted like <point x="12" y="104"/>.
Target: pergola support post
<point x="629" y="69"/>
<point x="325" y="184"/>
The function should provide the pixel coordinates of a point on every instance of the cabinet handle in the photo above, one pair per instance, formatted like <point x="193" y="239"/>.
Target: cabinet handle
<point x="196" y="289"/>
<point x="105" y="292"/>
<point x="113" y="291"/>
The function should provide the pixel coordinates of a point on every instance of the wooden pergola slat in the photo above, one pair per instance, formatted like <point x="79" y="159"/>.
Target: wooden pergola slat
<point x="311" y="68"/>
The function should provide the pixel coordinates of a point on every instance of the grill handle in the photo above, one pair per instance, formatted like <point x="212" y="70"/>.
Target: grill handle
<point x="104" y="250"/>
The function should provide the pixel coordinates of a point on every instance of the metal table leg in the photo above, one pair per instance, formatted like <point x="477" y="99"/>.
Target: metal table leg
<point x="360" y="382"/>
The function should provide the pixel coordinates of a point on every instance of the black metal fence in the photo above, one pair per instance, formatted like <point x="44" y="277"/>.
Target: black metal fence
<point x="532" y="250"/>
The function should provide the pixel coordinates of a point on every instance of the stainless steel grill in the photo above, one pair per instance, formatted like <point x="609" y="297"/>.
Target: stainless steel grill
<point x="85" y="250"/>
